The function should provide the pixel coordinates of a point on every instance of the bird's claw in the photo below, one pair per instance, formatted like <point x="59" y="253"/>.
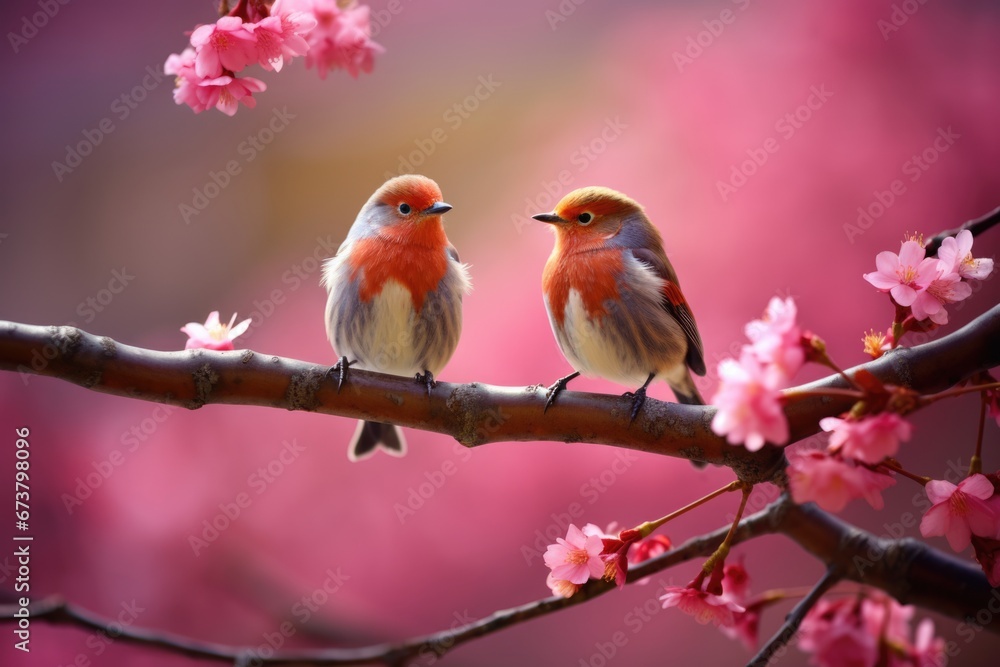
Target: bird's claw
<point x="555" y="389"/>
<point x="638" y="399"/>
<point x="427" y="379"/>
<point x="340" y="368"/>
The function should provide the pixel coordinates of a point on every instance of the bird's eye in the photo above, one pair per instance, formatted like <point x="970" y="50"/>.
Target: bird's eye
<point x="404" y="208"/>
<point x="585" y="218"/>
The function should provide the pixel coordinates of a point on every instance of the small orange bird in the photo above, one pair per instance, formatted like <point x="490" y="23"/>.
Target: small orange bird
<point x="614" y="301"/>
<point x="395" y="295"/>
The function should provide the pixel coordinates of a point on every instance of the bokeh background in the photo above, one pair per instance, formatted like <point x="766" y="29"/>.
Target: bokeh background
<point x="661" y="100"/>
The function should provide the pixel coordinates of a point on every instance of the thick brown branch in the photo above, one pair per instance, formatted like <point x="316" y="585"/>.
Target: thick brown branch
<point x="906" y="569"/>
<point x="475" y="413"/>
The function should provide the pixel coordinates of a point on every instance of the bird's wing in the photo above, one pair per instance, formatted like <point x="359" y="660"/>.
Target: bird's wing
<point x="450" y="249"/>
<point x="675" y="304"/>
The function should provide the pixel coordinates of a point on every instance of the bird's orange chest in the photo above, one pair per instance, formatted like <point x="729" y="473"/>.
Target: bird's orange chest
<point x="594" y="275"/>
<point x="415" y="258"/>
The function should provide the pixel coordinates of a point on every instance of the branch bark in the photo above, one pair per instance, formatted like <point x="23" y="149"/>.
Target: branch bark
<point x="474" y="414"/>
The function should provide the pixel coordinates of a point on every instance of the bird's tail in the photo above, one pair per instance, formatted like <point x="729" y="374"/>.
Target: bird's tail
<point x="686" y="392"/>
<point x="371" y="435"/>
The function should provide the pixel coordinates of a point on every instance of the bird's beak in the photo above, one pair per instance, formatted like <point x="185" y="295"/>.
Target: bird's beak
<point x="437" y="209"/>
<point x="548" y="217"/>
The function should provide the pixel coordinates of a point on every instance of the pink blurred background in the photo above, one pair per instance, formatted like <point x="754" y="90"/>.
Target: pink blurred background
<point x="608" y="93"/>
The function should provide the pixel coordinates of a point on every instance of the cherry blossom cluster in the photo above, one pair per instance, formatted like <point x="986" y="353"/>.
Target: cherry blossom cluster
<point x="921" y="287"/>
<point x="855" y="628"/>
<point x="330" y="34"/>
<point x="729" y="608"/>
<point x="749" y="398"/>
<point x="968" y="513"/>
<point x="213" y="334"/>
<point x="591" y="553"/>
<point x="867" y="629"/>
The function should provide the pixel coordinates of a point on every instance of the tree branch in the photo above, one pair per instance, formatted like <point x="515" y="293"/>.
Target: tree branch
<point x="794" y="620"/>
<point x="976" y="226"/>
<point x="57" y="611"/>
<point x="474" y="414"/>
<point x="906" y="569"/>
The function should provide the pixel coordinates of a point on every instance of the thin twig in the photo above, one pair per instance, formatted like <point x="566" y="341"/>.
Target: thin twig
<point x="777" y="643"/>
<point x="56" y="610"/>
<point x="976" y="226"/>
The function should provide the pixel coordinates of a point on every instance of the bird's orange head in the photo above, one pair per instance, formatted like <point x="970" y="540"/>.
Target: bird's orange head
<point x="592" y="216"/>
<point x="405" y="207"/>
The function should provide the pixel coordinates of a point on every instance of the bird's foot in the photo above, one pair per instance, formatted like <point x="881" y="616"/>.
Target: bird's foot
<point x="340" y="370"/>
<point x="638" y="398"/>
<point x="556" y="389"/>
<point x="427" y="379"/>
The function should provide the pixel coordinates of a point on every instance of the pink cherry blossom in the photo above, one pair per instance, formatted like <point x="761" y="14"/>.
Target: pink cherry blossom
<point x="835" y="634"/>
<point x="341" y="38"/>
<point x="225" y="93"/>
<point x="959" y="512"/>
<point x="777" y="340"/>
<point x="225" y="45"/>
<point x="615" y="555"/>
<point x="749" y="404"/>
<point x="928" y="650"/>
<point x="736" y="582"/>
<point x="280" y="36"/>
<point x="903" y="275"/>
<point x="955" y="254"/>
<point x="576" y="558"/>
<point x="993" y="403"/>
<point x="186" y="90"/>
<point x="651" y="547"/>
<point x="213" y="335"/>
<point x="561" y="587"/>
<point x="832" y="482"/>
<point x="941" y="291"/>
<point x="705" y="607"/>
<point x="988" y="554"/>
<point x="870" y="439"/>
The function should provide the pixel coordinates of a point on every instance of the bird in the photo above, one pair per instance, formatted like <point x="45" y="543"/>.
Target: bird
<point x="395" y="296"/>
<point x="614" y="301"/>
